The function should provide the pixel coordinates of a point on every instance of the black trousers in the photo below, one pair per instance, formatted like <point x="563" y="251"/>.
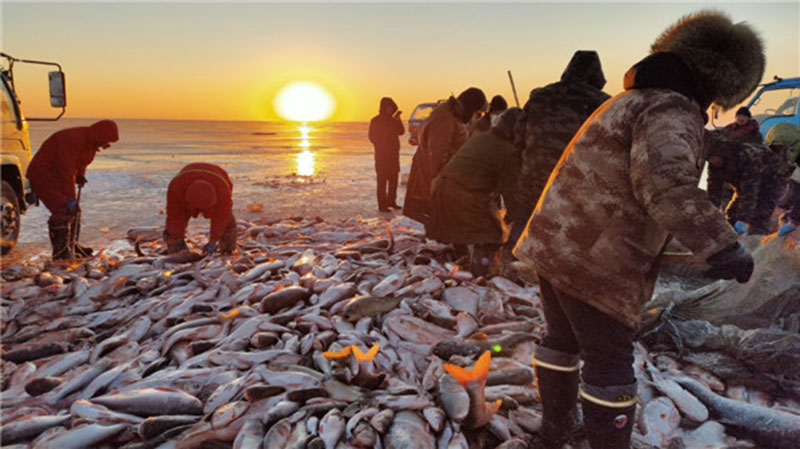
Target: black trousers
<point x="387" y="189"/>
<point x="605" y="345"/>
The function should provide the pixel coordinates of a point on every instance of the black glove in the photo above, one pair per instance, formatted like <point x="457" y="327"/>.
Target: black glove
<point x="81" y="181"/>
<point x="72" y="206"/>
<point x="210" y="247"/>
<point x="733" y="262"/>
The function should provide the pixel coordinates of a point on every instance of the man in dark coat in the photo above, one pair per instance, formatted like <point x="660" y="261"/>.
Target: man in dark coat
<point x="440" y="137"/>
<point x="555" y="112"/>
<point x="786" y="136"/>
<point x="626" y="183"/>
<point x="464" y="210"/>
<point x="56" y="168"/>
<point x="385" y="130"/>
<point x="744" y="128"/>
<point x="759" y="176"/>
<point x="201" y="189"/>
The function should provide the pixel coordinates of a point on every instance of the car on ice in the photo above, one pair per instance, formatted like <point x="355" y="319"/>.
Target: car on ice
<point x="418" y="115"/>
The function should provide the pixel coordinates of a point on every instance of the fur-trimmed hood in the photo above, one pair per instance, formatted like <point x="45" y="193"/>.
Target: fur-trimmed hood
<point x="726" y="59"/>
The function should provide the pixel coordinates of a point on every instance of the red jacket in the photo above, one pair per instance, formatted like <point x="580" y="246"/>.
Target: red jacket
<point x="63" y="157"/>
<point x="179" y="212"/>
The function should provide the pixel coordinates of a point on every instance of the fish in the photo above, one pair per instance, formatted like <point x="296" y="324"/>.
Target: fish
<point x="408" y="431"/>
<point x="362" y="306"/>
<point x="474" y="381"/>
<point x="152" y="401"/>
<point x="283" y="298"/>
<point x="250" y="436"/>
<point x="28" y="428"/>
<point x="659" y="419"/>
<point x="41" y="385"/>
<point x="331" y="428"/>
<point x="766" y="426"/>
<point x="156" y="425"/>
<point x="691" y="407"/>
<point x="81" y="437"/>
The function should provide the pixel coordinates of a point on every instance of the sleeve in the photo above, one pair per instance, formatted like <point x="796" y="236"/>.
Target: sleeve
<point x="176" y="215"/>
<point x="748" y="188"/>
<point x="373" y="132"/>
<point x="664" y="176"/>
<point x="222" y="213"/>
<point x="400" y="129"/>
<point x="440" y="139"/>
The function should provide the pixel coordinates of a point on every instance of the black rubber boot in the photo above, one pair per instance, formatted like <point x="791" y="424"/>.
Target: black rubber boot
<point x="559" y="393"/>
<point x="60" y="239"/>
<point x="608" y="414"/>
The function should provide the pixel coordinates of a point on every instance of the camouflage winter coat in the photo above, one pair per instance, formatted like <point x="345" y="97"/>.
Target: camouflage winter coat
<point x="759" y="176"/>
<point x="626" y="182"/>
<point x="555" y="112"/>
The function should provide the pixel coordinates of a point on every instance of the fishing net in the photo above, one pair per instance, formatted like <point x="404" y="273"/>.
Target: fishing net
<point x="770" y="298"/>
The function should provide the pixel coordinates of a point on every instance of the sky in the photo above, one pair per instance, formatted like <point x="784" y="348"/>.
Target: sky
<point x="227" y="61"/>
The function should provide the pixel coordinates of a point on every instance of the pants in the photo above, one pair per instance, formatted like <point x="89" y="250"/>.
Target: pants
<point x="52" y="192"/>
<point x="387" y="189"/>
<point x="605" y="345"/>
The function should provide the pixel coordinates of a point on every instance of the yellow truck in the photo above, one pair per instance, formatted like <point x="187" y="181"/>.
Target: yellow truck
<point x="15" y="152"/>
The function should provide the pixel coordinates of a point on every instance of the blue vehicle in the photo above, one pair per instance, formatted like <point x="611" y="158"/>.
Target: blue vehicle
<point x="776" y="102"/>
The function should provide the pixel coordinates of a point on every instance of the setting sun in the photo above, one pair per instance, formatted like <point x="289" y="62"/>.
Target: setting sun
<point x="304" y="101"/>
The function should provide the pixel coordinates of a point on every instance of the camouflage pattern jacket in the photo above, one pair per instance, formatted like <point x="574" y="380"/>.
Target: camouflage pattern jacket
<point x="757" y="173"/>
<point x="555" y="113"/>
<point x="626" y="182"/>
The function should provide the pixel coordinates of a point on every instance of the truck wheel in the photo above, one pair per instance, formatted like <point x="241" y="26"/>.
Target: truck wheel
<point x="9" y="218"/>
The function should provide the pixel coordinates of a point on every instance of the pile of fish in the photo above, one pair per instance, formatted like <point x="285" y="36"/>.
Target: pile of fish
<point x="357" y="333"/>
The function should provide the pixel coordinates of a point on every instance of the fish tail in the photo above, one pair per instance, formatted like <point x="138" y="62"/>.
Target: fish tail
<point x="466" y="375"/>
<point x="233" y="313"/>
<point x="362" y="357"/>
<point x="337" y="355"/>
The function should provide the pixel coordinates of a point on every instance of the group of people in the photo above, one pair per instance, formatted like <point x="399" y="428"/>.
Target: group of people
<point x="595" y="188"/>
<point x="199" y="189"/>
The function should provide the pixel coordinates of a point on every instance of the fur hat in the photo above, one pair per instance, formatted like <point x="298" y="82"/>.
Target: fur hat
<point x="727" y="59"/>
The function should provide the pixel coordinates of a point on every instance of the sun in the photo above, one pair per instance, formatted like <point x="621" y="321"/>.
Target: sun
<point x="304" y="101"/>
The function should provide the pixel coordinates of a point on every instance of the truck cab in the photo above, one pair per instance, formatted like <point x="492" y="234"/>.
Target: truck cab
<point x="15" y="149"/>
<point x="776" y="102"/>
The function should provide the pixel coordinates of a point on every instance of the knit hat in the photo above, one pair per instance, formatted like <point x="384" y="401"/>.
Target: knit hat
<point x="744" y="111"/>
<point x="201" y="194"/>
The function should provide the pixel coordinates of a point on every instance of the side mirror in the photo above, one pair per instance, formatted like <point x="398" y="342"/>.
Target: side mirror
<point x="58" y="96"/>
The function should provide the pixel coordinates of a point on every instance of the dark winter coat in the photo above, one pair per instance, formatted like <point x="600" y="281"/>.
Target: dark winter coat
<point x="748" y="132"/>
<point x="384" y="132"/>
<point x="624" y="185"/>
<point x="759" y="176"/>
<point x="179" y="212"/>
<point x="440" y="137"/>
<point x="555" y="113"/>
<point x="463" y="208"/>
<point x="63" y="158"/>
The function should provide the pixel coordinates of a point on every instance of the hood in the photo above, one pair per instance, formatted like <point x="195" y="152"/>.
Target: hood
<point x="726" y="59"/>
<point x="388" y="106"/>
<point x="507" y="123"/>
<point x="104" y="132"/>
<point x="665" y="71"/>
<point x="584" y="67"/>
<point x="471" y="101"/>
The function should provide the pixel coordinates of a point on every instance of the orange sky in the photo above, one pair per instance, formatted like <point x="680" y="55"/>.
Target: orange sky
<point x="221" y="61"/>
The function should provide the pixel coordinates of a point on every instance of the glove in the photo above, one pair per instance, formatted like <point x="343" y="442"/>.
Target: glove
<point x="741" y="227"/>
<point x="72" y="206"/>
<point x="81" y="181"/>
<point x="734" y="262"/>
<point x="786" y="228"/>
<point x="210" y="247"/>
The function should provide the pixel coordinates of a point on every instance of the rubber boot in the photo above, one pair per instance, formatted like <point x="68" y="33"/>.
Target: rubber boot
<point x="483" y="259"/>
<point x="557" y="379"/>
<point x="608" y="414"/>
<point x="227" y="243"/>
<point x="75" y="234"/>
<point x="59" y="231"/>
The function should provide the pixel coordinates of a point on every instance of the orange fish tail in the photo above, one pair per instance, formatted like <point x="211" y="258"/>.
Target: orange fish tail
<point x="478" y="372"/>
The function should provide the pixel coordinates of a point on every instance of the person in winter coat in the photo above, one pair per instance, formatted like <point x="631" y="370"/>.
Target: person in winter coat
<point x="786" y="137"/>
<point x="744" y="128"/>
<point x="201" y="189"/>
<point x="625" y="184"/>
<point x="385" y="130"/>
<point x="464" y="212"/>
<point x="497" y="106"/>
<point x="54" y="171"/>
<point x="555" y="112"/>
<point x="440" y="137"/>
<point x="759" y="176"/>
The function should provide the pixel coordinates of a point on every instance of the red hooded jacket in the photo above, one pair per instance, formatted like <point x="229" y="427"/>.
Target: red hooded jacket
<point x="63" y="157"/>
<point x="179" y="211"/>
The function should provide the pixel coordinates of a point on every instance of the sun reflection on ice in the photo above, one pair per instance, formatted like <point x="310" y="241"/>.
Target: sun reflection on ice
<point x="305" y="163"/>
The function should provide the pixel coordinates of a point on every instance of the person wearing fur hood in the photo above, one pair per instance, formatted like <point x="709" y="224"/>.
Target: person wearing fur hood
<point x="624" y="186"/>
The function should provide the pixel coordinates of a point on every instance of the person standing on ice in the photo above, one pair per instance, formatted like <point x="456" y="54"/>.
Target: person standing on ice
<point x="201" y="189"/>
<point x="555" y="112"/>
<point x="54" y="171"/>
<point x="464" y="208"/>
<point x="385" y="130"/>
<point x="626" y="183"/>
<point x="744" y="128"/>
<point x="440" y="137"/>
<point x="759" y="175"/>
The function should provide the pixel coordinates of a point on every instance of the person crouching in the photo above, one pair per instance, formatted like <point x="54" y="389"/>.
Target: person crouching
<point x="201" y="189"/>
<point x="465" y="210"/>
